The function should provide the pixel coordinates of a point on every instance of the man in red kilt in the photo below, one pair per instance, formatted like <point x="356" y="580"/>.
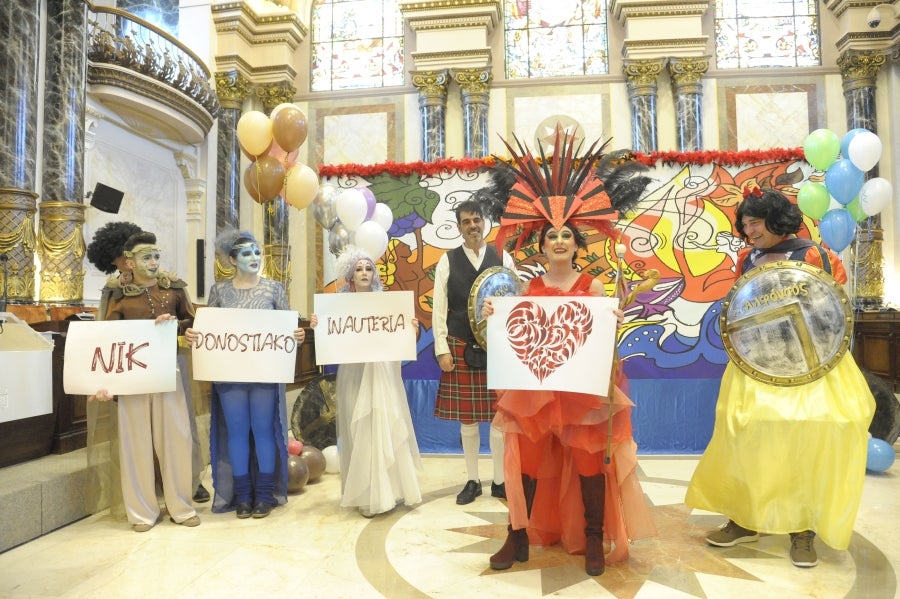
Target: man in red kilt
<point x="463" y="395"/>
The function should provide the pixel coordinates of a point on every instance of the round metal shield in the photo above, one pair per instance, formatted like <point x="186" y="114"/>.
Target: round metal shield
<point x="786" y="323"/>
<point x="494" y="281"/>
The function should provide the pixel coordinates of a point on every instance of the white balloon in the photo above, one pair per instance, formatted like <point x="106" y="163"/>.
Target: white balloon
<point x="864" y="150"/>
<point x="371" y="238"/>
<point x="383" y="216"/>
<point x="875" y="195"/>
<point x="351" y="208"/>
<point x="332" y="459"/>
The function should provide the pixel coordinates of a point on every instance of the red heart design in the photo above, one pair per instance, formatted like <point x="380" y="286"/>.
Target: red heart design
<point x="544" y="344"/>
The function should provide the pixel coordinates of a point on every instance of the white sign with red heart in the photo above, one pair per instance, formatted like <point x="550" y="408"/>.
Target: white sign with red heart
<point x="551" y="343"/>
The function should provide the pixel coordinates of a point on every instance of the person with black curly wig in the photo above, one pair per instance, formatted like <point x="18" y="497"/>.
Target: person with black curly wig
<point x="785" y="459"/>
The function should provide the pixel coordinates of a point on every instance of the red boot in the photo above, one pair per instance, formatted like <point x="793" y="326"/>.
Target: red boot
<point x="593" y="495"/>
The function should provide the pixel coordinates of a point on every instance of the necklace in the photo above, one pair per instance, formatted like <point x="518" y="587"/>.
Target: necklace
<point x="150" y="301"/>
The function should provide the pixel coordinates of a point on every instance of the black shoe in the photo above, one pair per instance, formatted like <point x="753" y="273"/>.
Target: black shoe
<point x="498" y="490"/>
<point x="201" y="495"/>
<point x="469" y="492"/>
<point x="244" y="510"/>
<point x="261" y="510"/>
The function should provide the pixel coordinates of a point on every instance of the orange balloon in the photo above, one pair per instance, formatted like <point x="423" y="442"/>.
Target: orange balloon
<point x="264" y="179"/>
<point x="289" y="127"/>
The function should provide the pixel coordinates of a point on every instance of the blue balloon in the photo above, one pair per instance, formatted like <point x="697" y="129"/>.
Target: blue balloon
<point x="843" y="181"/>
<point x="880" y="456"/>
<point x="837" y="228"/>
<point x="845" y="142"/>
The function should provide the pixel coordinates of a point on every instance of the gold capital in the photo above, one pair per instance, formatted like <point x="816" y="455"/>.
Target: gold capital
<point x="232" y="89"/>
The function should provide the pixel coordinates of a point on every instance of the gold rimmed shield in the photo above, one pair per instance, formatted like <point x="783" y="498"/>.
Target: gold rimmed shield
<point x="786" y="323"/>
<point x="494" y="281"/>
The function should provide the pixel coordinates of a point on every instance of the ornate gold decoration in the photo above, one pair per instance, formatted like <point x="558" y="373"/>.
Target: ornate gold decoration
<point x="17" y="208"/>
<point x="474" y="83"/>
<point x="642" y="74"/>
<point x="860" y="68"/>
<point x="61" y="249"/>
<point x="223" y="271"/>
<point x="687" y="73"/>
<point x="868" y="264"/>
<point x="432" y="85"/>
<point x="407" y="7"/>
<point x="233" y="88"/>
<point x="275" y="94"/>
<point x="278" y="263"/>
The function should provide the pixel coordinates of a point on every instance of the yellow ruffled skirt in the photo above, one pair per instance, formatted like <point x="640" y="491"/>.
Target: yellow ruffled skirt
<point x="788" y="459"/>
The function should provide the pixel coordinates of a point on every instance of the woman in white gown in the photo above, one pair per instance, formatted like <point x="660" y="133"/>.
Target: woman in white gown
<point x="377" y="444"/>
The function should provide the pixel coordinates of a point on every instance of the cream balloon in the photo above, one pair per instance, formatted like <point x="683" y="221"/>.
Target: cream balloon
<point x="370" y="237"/>
<point x="254" y="131"/>
<point x="383" y="216"/>
<point x="332" y="459"/>
<point x="864" y="150"/>
<point x="351" y="208"/>
<point x="875" y="195"/>
<point x="300" y="186"/>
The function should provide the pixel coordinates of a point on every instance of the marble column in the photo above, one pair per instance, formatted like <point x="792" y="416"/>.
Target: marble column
<point x="859" y="70"/>
<point x="232" y="89"/>
<point x="475" y="86"/>
<point x="641" y="76"/>
<point x="686" y="75"/>
<point x="276" y="239"/>
<point x="61" y="244"/>
<point x="21" y="34"/>
<point x="432" y="86"/>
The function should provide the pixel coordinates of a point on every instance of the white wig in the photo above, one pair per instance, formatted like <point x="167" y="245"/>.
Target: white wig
<point x="346" y="266"/>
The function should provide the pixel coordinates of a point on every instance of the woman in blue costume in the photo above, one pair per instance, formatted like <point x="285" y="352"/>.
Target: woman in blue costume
<point x="249" y="472"/>
<point x="785" y="459"/>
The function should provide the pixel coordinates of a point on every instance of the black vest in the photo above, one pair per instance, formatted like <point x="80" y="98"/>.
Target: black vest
<point x="459" y="285"/>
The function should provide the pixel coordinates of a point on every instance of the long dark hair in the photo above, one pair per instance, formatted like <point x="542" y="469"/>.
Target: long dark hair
<point x="781" y="216"/>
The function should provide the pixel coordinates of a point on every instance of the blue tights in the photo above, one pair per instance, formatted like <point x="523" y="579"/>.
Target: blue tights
<point x="249" y="406"/>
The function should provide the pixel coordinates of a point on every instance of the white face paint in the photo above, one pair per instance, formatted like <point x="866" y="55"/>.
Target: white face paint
<point x="247" y="258"/>
<point x="145" y="261"/>
<point x="363" y="275"/>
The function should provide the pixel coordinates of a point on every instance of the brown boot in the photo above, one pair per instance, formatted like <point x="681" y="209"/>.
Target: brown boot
<point x="593" y="495"/>
<point x="516" y="546"/>
<point x="515" y="549"/>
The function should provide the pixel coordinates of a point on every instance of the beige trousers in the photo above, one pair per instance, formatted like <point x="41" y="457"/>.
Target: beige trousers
<point x="160" y="423"/>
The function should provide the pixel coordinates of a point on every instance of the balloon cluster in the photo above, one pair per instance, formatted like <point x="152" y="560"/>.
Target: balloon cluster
<point x="271" y="143"/>
<point x="352" y="216"/>
<point x="846" y="197"/>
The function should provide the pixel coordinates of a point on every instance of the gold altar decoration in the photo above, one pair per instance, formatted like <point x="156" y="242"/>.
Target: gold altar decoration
<point x="61" y="249"/>
<point x="17" y="208"/>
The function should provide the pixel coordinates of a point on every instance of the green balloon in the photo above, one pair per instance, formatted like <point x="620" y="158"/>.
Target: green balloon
<point x="856" y="210"/>
<point x="813" y="200"/>
<point x="821" y="148"/>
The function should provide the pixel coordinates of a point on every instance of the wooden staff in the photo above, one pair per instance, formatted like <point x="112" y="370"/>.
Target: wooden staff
<point x="651" y="278"/>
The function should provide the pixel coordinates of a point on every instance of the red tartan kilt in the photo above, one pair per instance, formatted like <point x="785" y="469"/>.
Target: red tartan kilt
<point x="463" y="394"/>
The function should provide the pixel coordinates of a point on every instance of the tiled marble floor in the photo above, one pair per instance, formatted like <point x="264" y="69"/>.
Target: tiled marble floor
<point x="311" y="548"/>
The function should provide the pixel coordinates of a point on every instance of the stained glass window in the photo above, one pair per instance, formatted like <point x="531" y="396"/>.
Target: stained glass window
<point x="767" y="33"/>
<point x="356" y="44"/>
<point x="555" y="38"/>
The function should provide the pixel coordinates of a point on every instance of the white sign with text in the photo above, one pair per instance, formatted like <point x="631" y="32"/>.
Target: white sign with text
<point x="365" y="327"/>
<point x="551" y="343"/>
<point x="244" y="346"/>
<point x="125" y="357"/>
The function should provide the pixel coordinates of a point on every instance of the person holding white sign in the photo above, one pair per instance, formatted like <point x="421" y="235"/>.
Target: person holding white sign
<point x="377" y="443"/>
<point x="153" y="423"/>
<point x="570" y="459"/>
<point x="248" y="478"/>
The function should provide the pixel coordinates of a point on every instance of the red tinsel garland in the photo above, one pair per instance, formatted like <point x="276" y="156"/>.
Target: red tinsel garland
<point x="399" y="169"/>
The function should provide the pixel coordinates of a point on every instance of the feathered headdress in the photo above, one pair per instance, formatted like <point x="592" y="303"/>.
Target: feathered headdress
<point x="593" y="189"/>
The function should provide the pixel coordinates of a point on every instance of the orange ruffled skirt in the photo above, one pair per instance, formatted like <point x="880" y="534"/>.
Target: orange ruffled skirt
<point x="560" y="421"/>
